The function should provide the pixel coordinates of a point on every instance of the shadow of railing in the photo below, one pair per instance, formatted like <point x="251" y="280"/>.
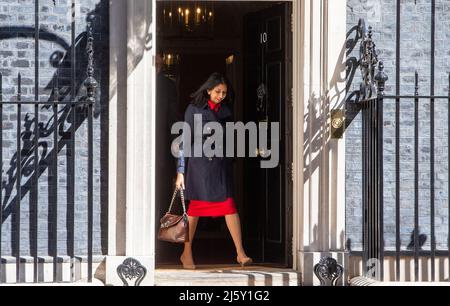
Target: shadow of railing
<point x="317" y="131"/>
<point x="321" y="151"/>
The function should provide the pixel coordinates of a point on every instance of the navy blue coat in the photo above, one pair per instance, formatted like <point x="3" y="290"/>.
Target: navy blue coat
<point x="207" y="178"/>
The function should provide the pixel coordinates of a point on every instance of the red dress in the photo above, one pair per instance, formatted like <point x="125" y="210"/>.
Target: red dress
<point x="198" y="208"/>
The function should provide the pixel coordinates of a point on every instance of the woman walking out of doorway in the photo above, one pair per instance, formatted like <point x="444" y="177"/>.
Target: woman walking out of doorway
<point x="208" y="181"/>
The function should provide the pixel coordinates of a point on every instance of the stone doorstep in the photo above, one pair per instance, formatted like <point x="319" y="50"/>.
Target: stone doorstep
<point x="227" y="276"/>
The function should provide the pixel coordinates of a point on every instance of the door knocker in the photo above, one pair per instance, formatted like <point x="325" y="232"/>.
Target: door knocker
<point x="261" y="93"/>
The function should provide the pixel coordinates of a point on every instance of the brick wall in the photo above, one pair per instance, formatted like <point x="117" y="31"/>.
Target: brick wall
<point x="415" y="55"/>
<point x="17" y="55"/>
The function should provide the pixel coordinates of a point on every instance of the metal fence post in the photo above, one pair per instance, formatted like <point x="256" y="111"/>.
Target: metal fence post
<point x="380" y="79"/>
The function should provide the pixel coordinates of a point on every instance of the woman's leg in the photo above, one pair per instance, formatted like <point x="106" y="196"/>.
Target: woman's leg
<point x="186" y="257"/>
<point x="234" y="226"/>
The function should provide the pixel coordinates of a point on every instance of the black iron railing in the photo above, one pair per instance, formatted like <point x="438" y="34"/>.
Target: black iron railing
<point x="372" y="100"/>
<point x="371" y="96"/>
<point x="32" y="157"/>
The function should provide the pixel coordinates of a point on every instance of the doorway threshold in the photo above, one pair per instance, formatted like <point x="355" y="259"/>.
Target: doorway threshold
<point x="226" y="275"/>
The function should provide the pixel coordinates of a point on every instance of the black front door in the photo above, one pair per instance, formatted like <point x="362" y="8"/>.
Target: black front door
<point x="268" y="82"/>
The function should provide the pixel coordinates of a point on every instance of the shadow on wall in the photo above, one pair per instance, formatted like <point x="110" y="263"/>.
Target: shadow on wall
<point x="68" y="119"/>
<point x="317" y="131"/>
<point x="317" y="140"/>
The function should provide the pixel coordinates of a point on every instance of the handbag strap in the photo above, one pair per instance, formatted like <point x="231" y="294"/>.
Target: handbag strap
<point x="173" y="199"/>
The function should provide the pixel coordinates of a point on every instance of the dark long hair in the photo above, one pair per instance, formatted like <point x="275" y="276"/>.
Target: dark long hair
<point x="200" y="97"/>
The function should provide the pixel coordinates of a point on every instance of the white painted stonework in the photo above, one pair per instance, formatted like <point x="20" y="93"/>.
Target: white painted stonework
<point x="132" y="158"/>
<point x="319" y="217"/>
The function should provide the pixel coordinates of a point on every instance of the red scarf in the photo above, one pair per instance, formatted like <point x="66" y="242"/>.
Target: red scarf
<point x="213" y="106"/>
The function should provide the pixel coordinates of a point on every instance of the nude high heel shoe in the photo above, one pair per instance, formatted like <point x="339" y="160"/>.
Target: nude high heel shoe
<point x="246" y="261"/>
<point x="187" y="266"/>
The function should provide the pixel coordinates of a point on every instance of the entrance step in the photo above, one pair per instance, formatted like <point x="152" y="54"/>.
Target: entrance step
<point x="226" y="275"/>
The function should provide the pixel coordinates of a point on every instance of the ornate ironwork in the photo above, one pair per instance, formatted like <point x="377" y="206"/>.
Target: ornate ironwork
<point x="131" y="269"/>
<point x="368" y="63"/>
<point x="328" y="271"/>
<point x="90" y="83"/>
<point x="372" y="71"/>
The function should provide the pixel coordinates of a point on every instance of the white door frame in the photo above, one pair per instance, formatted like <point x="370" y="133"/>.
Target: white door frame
<point x="318" y="193"/>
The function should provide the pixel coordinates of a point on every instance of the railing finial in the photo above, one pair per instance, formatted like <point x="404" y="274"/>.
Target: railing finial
<point x="381" y="79"/>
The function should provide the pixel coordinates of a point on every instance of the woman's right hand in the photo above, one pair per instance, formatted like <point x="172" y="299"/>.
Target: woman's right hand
<point x="179" y="183"/>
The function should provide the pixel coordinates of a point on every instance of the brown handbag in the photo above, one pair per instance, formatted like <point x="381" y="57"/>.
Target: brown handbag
<point x="175" y="228"/>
